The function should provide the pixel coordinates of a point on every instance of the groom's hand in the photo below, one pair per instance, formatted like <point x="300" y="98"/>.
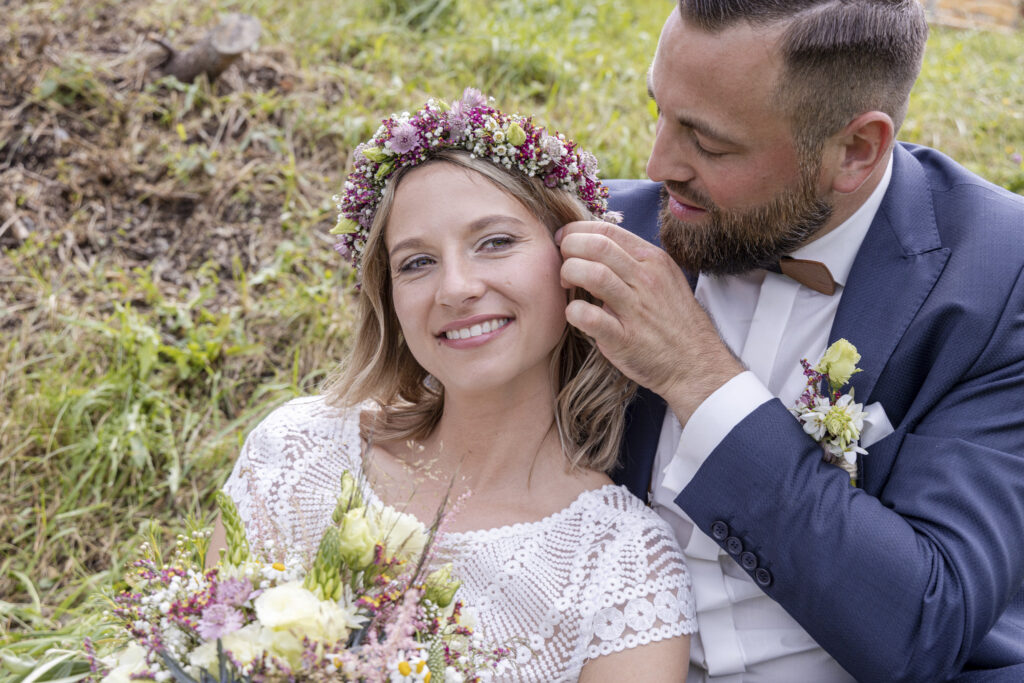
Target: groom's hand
<point x="649" y="326"/>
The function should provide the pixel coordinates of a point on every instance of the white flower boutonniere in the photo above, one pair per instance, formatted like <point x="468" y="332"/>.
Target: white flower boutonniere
<point x="831" y="417"/>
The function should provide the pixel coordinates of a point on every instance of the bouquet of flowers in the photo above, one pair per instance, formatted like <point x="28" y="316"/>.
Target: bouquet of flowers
<point x="366" y="609"/>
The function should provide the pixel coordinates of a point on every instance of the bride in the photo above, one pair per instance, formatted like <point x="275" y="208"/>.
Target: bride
<point x="465" y="377"/>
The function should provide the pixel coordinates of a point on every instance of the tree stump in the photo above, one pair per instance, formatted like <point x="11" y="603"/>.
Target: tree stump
<point x="218" y="50"/>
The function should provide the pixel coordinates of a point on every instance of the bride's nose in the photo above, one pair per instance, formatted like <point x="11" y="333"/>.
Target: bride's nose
<point x="461" y="280"/>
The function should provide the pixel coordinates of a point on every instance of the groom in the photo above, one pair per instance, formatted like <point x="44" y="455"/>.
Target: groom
<point x="775" y="137"/>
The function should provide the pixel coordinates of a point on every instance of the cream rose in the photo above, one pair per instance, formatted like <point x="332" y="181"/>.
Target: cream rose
<point x="405" y="537"/>
<point x="839" y="363"/>
<point x="130" y="660"/>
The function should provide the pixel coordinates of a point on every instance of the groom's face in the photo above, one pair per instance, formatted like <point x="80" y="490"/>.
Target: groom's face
<point x="738" y="193"/>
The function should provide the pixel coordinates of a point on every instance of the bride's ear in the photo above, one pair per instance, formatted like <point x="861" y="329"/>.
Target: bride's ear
<point x="860" y="148"/>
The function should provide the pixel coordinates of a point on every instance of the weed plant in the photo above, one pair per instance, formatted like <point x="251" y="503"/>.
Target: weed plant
<point x="176" y="281"/>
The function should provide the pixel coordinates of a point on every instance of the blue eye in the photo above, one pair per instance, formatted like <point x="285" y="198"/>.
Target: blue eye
<point x="415" y="263"/>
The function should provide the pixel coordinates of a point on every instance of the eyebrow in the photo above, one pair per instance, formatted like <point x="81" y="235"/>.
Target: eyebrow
<point x="705" y="129"/>
<point x="476" y="226"/>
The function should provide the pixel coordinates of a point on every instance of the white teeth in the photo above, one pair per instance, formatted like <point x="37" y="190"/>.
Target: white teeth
<point x="476" y="330"/>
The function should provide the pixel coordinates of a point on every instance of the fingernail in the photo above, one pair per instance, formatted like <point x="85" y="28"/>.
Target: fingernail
<point x="558" y="236"/>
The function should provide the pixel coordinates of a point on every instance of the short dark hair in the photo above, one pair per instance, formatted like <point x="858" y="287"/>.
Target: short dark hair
<point x="842" y="57"/>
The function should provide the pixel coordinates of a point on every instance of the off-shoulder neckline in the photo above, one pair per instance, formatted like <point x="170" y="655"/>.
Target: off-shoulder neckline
<point x="351" y="419"/>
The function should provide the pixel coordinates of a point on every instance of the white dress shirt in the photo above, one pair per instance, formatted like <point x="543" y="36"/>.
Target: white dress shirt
<point x="770" y="322"/>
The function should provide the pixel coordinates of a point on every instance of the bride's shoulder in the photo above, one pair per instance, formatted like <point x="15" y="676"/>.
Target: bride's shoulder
<point x="306" y="425"/>
<point x="625" y="513"/>
<point x="308" y="414"/>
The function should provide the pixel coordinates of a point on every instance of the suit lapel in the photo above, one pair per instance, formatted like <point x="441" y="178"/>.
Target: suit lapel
<point x="897" y="266"/>
<point x="644" y="416"/>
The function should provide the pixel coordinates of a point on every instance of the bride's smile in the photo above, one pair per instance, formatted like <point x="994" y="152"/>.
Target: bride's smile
<point x="470" y="329"/>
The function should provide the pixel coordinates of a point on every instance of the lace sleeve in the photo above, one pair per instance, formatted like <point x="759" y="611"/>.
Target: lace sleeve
<point x="644" y="593"/>
<point x="286" y="479"/>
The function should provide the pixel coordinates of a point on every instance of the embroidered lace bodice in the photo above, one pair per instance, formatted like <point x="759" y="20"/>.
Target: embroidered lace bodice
<point x="600" y="576"/>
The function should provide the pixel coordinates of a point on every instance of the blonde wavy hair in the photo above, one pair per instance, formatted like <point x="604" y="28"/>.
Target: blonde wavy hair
<point x="591" y="393"/>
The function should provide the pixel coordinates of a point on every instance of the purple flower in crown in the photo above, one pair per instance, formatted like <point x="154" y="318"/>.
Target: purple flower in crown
<point x="458" y="124"/>
<point x="472" y="98"/>
<point x="470" y="124"/>
<point x="405" y="137"/>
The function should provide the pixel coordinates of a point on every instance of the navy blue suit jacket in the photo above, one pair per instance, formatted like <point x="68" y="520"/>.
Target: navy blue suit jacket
<point x="919" y="574"/>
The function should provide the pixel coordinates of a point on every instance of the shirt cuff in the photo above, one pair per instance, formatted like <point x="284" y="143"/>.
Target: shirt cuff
<point x="711" y="423"/>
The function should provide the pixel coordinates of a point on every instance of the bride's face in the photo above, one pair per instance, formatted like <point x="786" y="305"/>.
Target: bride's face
<point x="475" y="281"/>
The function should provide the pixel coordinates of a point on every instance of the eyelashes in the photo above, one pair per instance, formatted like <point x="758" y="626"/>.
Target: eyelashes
<point x="490" y="244"/>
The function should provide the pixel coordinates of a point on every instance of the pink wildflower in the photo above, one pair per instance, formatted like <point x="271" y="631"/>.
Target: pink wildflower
<point x="404" y="137"/>
<point x="234" y="592"/>
<point x="218" y="621"/>
<point x="471" y="97"/>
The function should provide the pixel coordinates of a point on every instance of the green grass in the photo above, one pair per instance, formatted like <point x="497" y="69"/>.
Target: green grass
<point x="132" y="363"/>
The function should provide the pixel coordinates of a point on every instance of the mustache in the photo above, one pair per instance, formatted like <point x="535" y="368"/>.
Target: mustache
<point x="695" y="197"/>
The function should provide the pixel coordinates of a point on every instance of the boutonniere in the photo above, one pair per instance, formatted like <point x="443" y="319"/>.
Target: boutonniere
<point x="831" y="417"/>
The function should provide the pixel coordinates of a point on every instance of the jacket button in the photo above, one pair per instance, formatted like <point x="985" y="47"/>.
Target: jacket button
<point x="719" y="530"/>
<point x="734" y="545"/>
<point x="748" y="561"/>
<point x="763" y="577"/>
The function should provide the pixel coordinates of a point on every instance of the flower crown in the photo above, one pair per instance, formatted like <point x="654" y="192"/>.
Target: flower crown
<point x="509" y="140"/>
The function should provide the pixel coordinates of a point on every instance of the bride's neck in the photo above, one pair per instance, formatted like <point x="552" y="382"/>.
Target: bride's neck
<point x="498" y="441"/>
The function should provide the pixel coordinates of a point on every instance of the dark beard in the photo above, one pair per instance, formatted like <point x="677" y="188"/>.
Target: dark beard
<point x="733" y="242"/>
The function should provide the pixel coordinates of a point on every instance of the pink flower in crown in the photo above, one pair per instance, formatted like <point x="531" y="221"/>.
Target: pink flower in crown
<point x="458" y="124"/>
<point x="552" y="146"/>
<point x="472" y="98"/>
<point x="404" y="137"/>
<point x="589" y="164"/>
<point x="219" y="620"/>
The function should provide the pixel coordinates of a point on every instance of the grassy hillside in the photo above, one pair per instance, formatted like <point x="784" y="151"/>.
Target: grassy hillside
<point x="165" y="276"/>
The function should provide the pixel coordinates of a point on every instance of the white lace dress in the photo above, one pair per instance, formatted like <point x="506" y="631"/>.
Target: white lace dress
<point x="600" y="576"/>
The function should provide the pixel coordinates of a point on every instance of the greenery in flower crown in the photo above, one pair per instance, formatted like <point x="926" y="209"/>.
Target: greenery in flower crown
<point x="509" y="140"/>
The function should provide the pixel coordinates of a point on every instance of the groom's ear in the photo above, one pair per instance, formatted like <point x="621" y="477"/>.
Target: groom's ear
<point x="860" y="149"/>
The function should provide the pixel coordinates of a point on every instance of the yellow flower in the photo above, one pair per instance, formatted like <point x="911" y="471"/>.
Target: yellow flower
<point x="350" y="496"/>
<point x="839" y="363"/>
<point x="440" y="587"/>
<point x="344" y="226"/>
<point x="516" y="135"/>
<point x="290" y="612"/>
<point x="404" y="535"/>
<point x="375" y="154"/>
<point x="358" y="539"/>
<point x="384" y="170"/>
<point x="244" y="645"/>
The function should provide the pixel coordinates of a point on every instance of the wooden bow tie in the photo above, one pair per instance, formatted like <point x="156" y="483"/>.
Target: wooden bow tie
<point x="813" y="274"/>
